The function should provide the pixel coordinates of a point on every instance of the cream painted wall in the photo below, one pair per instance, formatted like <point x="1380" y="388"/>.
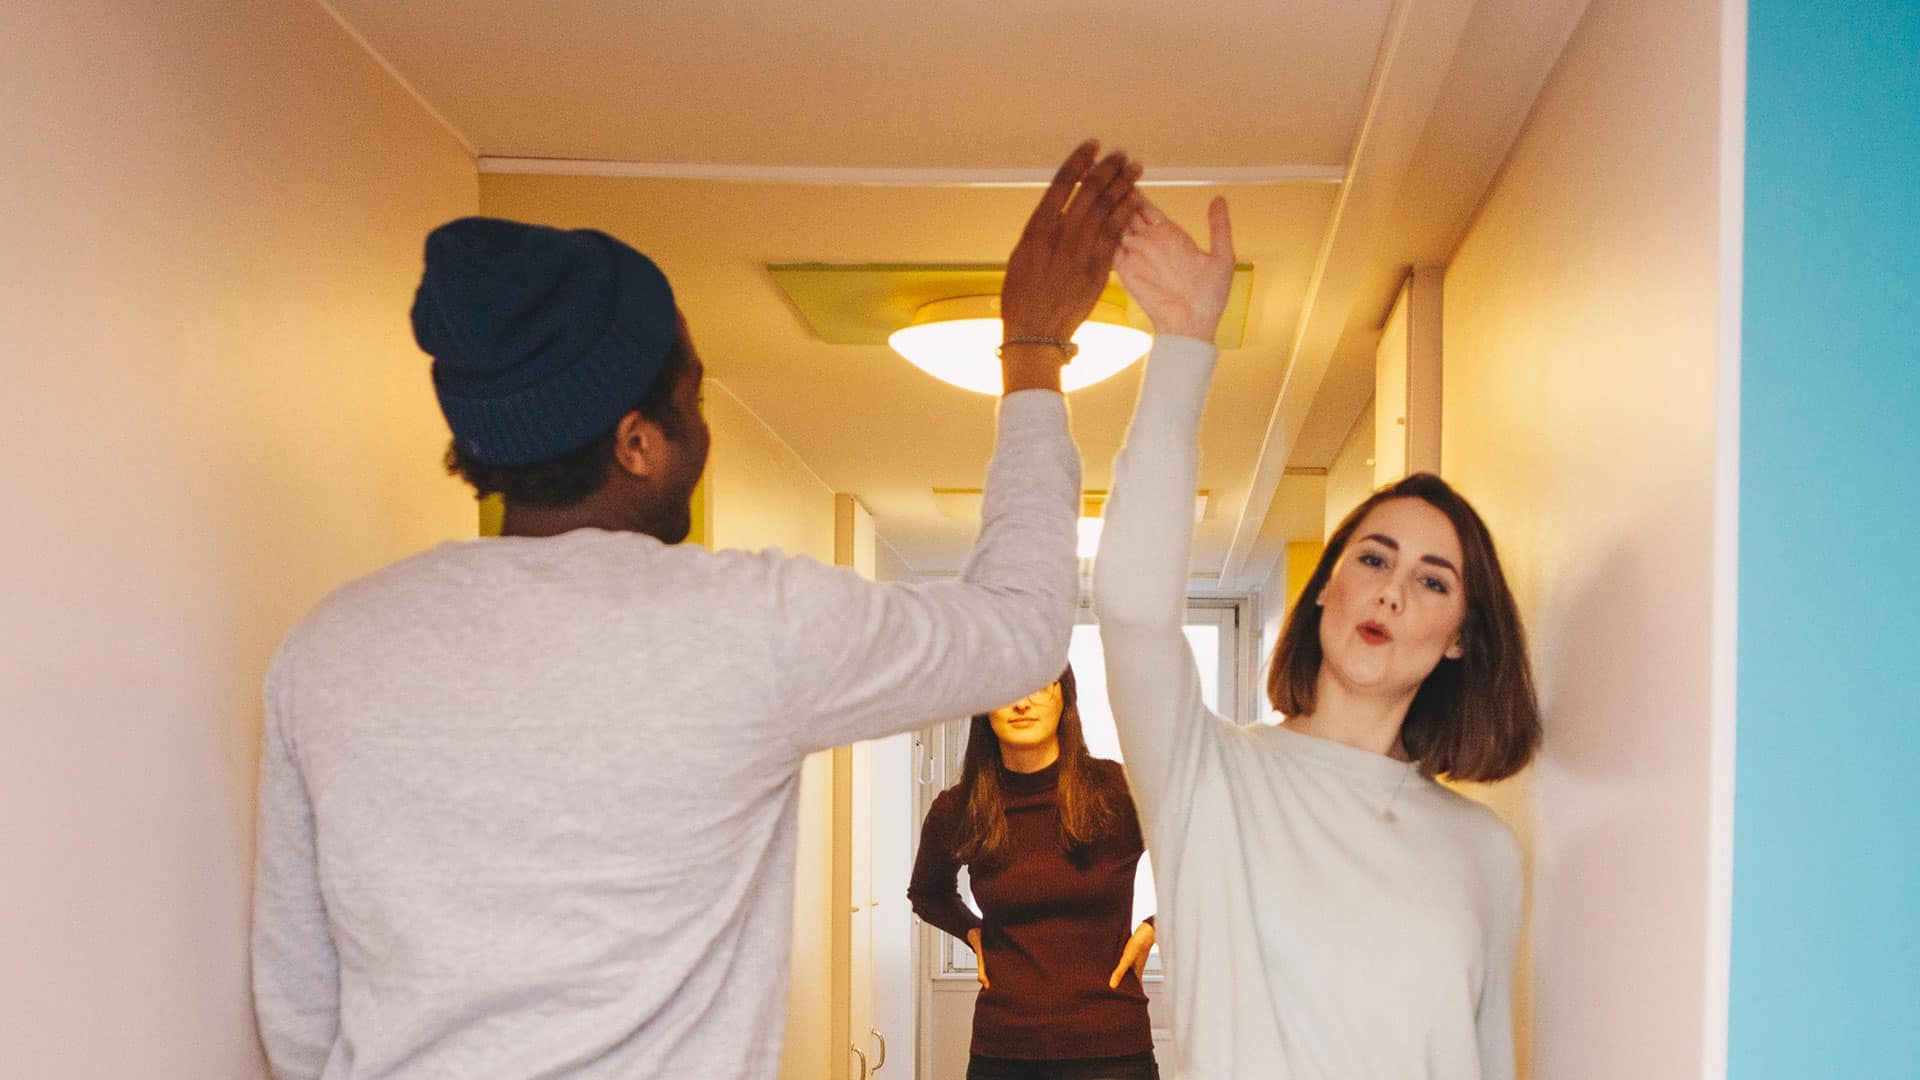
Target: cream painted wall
<point x="1278" y="594"/>
<point x="213" y="413"/>
<point x="889" y="566"/>
<point x="1406" y="380"/>
<point x="1350" y="476"/>
<point x="1275" y="604"/>
<point x="1581" y="356"/>
<point x="760" y="494"/>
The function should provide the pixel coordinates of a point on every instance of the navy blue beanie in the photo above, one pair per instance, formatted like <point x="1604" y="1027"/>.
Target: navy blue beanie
<point x="542" y="338"/>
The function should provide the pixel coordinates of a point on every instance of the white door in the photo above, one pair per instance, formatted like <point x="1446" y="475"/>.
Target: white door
<point x="859" y="962"/>
<point x="890" y="835"/>
<point x="872" y="1013"/>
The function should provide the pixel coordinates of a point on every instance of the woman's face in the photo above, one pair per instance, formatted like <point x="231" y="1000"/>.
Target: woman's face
<point x="1395" y="602"/>
<point x="1031" y="722"/>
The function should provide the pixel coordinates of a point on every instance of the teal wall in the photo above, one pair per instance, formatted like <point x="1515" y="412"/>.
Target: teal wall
<point x="1826" y="906"/>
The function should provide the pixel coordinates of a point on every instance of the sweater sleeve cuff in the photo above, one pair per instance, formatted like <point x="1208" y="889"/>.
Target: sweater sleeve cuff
<point x="1033" y="410"/>
<point x="1179" y="373"/>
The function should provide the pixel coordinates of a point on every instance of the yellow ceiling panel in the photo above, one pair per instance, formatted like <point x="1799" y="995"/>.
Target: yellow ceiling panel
<point x="862" y="304"/>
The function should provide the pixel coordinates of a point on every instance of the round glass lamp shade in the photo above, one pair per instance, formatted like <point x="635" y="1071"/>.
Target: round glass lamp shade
<point x="957" y="341"/>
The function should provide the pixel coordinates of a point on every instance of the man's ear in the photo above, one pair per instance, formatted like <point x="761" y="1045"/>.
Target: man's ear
<point x="639" y="445"/>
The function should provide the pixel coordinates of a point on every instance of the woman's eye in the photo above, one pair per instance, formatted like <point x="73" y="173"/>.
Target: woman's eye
<point x="1368" y="558"/>
<point x="1435" y="584"/>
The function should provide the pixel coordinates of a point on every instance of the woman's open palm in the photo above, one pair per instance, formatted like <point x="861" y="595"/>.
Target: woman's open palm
<point x="1181" y="288"/>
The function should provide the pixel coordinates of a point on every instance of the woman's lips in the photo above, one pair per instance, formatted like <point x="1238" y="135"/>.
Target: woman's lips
<point x="1374" y="634"/>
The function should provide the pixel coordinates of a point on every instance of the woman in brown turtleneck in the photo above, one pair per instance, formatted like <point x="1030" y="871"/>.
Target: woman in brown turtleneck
<point x="1048" y="835"/>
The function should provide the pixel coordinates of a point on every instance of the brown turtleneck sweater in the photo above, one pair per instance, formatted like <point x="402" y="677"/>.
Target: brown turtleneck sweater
<point x="1053" y="930"/>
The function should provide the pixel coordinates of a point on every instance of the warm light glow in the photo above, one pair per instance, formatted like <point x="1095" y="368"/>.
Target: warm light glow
<point x="957" y="340"/>
<point x="1090" y="535"/>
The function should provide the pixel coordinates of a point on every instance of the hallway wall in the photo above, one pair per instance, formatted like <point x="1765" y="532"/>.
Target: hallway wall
<point x="213" y="412"/>
<point x="1582" y="323"/>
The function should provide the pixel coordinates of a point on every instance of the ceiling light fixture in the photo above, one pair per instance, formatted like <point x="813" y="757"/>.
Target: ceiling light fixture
<point x="956" y="340"/>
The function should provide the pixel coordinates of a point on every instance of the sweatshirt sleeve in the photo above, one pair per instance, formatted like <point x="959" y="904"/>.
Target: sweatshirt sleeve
<point x="858" y="660"/>
<point x="1493" y="1019"/>
<point x="935" y="889"/>
<point x="1140" y="587"/>
<point x="296" y="973"/>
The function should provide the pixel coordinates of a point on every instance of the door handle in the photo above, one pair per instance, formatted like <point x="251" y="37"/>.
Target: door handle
<point x="864" y="1072"/>
<point x="882" y="1063"/>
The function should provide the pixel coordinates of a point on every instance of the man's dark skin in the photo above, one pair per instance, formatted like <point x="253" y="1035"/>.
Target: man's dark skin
<point x="1054" y="276"/>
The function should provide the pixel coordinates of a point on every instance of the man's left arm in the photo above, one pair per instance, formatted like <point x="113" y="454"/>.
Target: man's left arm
<point x="296" y="973"/>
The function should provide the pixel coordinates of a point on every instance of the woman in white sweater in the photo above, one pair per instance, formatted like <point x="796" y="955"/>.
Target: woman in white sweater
<point x="1327" y="910"/>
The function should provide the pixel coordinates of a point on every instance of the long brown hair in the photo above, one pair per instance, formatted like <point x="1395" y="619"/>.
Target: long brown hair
<point x="1088" y="810"/>
<point x="1475" y="718"/>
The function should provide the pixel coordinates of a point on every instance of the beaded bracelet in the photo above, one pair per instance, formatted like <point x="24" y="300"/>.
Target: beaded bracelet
<point x="1067" y="347"/>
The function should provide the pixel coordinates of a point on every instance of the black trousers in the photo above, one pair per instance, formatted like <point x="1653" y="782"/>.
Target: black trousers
<point x="1131" y="1067"/>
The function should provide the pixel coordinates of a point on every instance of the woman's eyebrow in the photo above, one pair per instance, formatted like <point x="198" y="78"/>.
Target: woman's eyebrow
<point x="1390" y="543"/>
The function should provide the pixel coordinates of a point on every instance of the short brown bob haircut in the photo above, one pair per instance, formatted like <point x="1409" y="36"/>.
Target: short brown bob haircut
<point x="1475" y="718"/>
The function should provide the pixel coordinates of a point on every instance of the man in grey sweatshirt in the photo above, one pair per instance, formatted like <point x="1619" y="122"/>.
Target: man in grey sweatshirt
<point x="528" y="804"/>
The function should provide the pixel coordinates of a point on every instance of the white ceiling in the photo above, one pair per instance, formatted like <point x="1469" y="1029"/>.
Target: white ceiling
<point x="1414" y="103"/>
<point x="881" y="82"/>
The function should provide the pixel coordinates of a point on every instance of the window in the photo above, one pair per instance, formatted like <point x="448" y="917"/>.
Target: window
<point x="1212" y="629"/>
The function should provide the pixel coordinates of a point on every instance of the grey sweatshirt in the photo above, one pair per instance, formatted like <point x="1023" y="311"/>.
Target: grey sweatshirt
<point x="528" y="806"/>
<point x="1326" y="913"/>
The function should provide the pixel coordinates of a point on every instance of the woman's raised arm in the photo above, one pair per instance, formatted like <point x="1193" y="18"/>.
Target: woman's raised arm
<point x="1140" y="575"/>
